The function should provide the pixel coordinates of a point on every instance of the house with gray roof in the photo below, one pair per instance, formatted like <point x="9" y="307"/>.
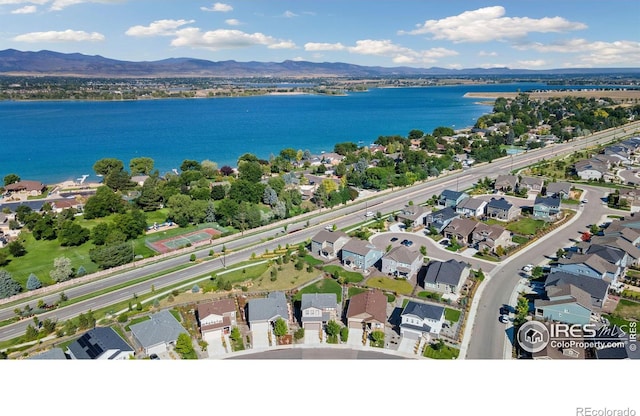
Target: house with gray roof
<point x="590" y="169"/>
<point x="450" y="198"/>
<point x="445" y="277"/>
<point x="613" y="255"/>
<point x="590" y="265"/>
<point x="564" y="303"/>
<point x="632" y="252"/>
<point x="472" y="207"/>
<point x="546" y="207"/>
<point x="268" y="310"/>
<point x="52" y="354"/>
<point x="100" y="343"/>
<point x="490" y="237"/>
<point x="317" y="309"/>
<point x="360" y="254"/>
<point x="420" y="319"/>
<point x="327" y="244"/>
<point x="440" y="219"/>
<point x="157" y="334"/>
<point x="502" y="210"/>
<point x="401" y="262"/>
<point x="560" y="190"/>
<point x="597" y="289"/>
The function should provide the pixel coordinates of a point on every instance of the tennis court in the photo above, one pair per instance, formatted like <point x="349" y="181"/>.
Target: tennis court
<point x="173" y="243"/>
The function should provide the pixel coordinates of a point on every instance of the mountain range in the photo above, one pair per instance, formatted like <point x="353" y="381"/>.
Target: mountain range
<point x="14" y="62"/>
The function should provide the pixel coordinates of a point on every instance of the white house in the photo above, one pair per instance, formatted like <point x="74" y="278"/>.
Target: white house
<point x="421" y="320"/>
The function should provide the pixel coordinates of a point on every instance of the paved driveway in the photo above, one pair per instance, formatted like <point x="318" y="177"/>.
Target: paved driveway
<point x="311" y="337"/>
<point x="355" y="337"/>
<point x="407" y="345"/>
<point x="260" y="335"/>
<point x="214" y="342"/>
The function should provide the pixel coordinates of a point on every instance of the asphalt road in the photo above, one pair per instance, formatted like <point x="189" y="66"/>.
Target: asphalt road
<point x="297" y="231"/>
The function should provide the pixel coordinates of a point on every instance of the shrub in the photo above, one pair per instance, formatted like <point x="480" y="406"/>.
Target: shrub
<point x="299" y="334"/>
<point x="122" y="318"/>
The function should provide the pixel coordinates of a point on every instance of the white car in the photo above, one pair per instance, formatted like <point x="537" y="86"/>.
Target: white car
<point x="369" y="214"/>
<point x="504" y="319"/>
<point x="528" y="268"/>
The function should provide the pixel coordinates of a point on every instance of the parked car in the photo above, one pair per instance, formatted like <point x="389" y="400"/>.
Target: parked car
<point x="504" y="310"/>
<point x="394" y="239"/>
<point x="407" y="243"/>
<point x="528" y="268"/>
<point x="504" y="319"/>
<point x="444" y="242"/>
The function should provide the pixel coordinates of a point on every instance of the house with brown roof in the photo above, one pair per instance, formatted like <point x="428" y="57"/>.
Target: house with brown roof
<point x="490" y="237"/>
<point x="367" y="310"/>
<point x="531" y="184"/>
<point x="460" y="229"/>
<point x="505" y="183"/>
<point x="216" y="319"/>
<point x="415" y="214"/>
<point x="327" y="244"/>
<point x="31" y="188"/>
<point x="401" y="262"/>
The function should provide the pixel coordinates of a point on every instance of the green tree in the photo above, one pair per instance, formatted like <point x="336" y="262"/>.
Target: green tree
<point x="378" y="338"/>
<point x="16" y="248"/>
<point x="280" y="327"/>
<point x="31" y="333"/>
<point x="8" y="286"/>
<point x="33" y="282"/>
<point x="344" y="334"/>
<point x="72" y="234"/>
<point x="11" y="178"/>
<point x="107" y="165"/>
<point x="184" y="347"/>
<point x="333" y="329"/>
<point x="141" y="165"/>
<point x="112" y="255"/>
<point x="62" y="270"/>
<point x="103" y="203"/>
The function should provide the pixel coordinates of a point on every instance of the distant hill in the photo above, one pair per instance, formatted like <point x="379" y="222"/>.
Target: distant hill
<point x="14" y="62"/>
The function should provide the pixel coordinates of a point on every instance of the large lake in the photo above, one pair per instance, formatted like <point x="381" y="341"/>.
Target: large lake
<point x="52" y="141"/>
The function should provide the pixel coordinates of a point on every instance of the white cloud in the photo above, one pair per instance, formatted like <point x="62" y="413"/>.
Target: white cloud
<point x="589" y="53"/>
<point x="489" y="24"/>
<point x="218" y="7"/>
<point x="233" y="22"/>
<point x="61" y="4"/>
<point x="532" y="63"/>
<point x="60" y="36"/>
<point x="298" y="59"/>
<point x="25" y="10"/>
<point x="399" y="54"/>
<point x="311" y="46"/>
<point x="485" y="53"/>
<point x="165" y="27"/>
<point x="289" y="14"/>
<point x="13" y="2"/>
<point x="226" y="39"/>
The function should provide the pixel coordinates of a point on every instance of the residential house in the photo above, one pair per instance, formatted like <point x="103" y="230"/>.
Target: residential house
<point x="445" y="277"/>
<point x="490" y="237"/>
<point x="613" y="255"/>
<point x="506" y="183"/>
<point x="421" y="320"/>
<point x="460" y="229"/>
<point x="632" y="252"/>
<point x="630" y="195"/>
<point x="51" y="354"/>
<point x="401" y="262"/>
<point x="564" y="303"/>
<point x="546" y="208"/>
<point x="414" y="214"/>
<point x="216" y="319"/>
<point x="139" y="179"/>
<point x="440" y="219"/>
<point x="501" y="209"/>
<point x="625" y="349"/>
<point x="332" y="158"/>
<point x="590" y="265"/>
<point x="367" y="310"/>
<point x="30" y="188"/>
<point x="327" y="244"/>
<point x="597" y="289"/>
<point x="318" y="309"/>
<point x="590" y="169"/>
<point x="450" y="198"/>
<point x="531" y="184"/>
<point x="157" y="334"/>
<point x="100" y="343"/>
<point x="560" y="190"/>
<point x="472" y="207"/>
<point x="359" y="254"/>
<point x="263" y="311"/>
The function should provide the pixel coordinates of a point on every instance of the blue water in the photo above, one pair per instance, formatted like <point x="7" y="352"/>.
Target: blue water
<point x="52" y="141"/>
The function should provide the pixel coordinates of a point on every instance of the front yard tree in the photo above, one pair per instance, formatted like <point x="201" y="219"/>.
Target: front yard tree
<point x="184" y="347"/>
<point x="280" y="327"/>
<point x="333" y="328"/>
<point x="107" y="165"/>
<point x="141" y="166"/>
<point x="11" y="178"/>
<point x="33" y="282"/>
<point x="17" y="249"/>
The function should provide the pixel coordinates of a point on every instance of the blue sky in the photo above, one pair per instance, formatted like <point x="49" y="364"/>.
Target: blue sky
<point x="533" y="34"/>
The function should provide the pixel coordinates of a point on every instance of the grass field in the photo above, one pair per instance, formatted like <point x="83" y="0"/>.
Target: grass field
<point x="352" y="291"/>
<point x="443" y="353"/>
<point x="452" y="315"/>
<point x="526" y="226"/>
<point x="323" y="286"/>
<point x="628" y="309"/>
<point x="398" y="286"/>
<point x="350" y="277"/>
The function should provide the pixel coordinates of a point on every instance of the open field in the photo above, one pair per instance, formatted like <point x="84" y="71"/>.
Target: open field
<point x="617" y="95"/>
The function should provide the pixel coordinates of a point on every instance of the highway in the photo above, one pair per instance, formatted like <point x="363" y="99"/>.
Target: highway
<point x="298" y="231"/>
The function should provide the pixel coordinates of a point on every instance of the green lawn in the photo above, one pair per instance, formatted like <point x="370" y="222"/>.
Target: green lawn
<point x="312" y="260"/>
<point x="443" y="353"/>
<point x="392" y="285"/>
<point x="452" y="315"/>
<point x="350" y="277"/>
<point x="519" y="239"/>
<point x="323" y="286"/>
<point x="352" y="291"/>
<point x="526" y="226"/>
<point x="429" y="295"/>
